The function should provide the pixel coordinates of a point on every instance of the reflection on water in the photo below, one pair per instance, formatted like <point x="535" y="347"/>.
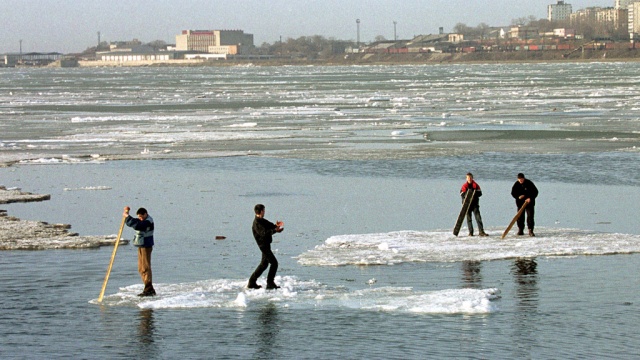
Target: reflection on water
<point x="471" y="277"/>
<point x="526" y="304"/>
<point x="267" y="330"/>
<point x="146" y="334"/>
<point x="146" y="327"/>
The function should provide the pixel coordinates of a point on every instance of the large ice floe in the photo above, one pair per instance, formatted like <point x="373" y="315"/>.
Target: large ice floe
<point x="441" y="246"/>
<point x="300" y="294"/>
<point x="14" y="195"/>
<point x="16" y="234"/>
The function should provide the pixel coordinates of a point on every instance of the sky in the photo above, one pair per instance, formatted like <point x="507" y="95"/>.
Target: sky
<point x="69" y="26"/>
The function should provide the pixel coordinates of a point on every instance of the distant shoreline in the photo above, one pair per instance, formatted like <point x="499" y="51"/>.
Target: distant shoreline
<point x="617" y="55"/>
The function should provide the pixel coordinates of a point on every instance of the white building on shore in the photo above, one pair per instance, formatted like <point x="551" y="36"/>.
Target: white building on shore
<point x="229" y="42"/>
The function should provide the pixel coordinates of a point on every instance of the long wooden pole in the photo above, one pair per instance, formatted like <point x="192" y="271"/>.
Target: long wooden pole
<point x="515" y="218"/>
<point x="113" y="255"/>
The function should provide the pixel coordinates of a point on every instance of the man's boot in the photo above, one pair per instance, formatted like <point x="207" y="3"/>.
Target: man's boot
<point x="148" y="290"/>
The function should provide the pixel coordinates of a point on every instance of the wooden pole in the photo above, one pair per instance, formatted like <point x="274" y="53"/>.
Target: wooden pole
<point x="113" y="255"/>
<point x="515" y="218"/>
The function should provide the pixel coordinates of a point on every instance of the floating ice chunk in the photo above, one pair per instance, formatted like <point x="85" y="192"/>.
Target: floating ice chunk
<point x="241" y="125"/>
<point x="89" y="188"/>
<point x="441" y="246"/>
<point x="241" y="300"/>
<point x="224" y="293"/>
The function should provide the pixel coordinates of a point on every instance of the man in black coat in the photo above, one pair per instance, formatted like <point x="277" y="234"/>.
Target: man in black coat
<point x="525" y="191"/>
<point x="263" y="230"/>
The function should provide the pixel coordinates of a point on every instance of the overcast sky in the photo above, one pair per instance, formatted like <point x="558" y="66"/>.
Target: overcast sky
<point x="73" y="25"/>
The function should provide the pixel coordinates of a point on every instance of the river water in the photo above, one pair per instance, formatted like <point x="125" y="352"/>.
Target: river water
<point x="363" y="164"/>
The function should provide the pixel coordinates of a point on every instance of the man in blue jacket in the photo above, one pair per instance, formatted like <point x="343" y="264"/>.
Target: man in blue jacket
<point x="263" y="230"/>
<point x="143" y="240"/>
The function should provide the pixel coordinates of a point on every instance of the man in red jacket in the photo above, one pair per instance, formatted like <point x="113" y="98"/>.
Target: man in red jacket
<point x="474" y="208"/>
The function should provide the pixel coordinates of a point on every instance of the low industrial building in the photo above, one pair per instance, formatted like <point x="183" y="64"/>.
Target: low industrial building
<point x="32" y="58"/>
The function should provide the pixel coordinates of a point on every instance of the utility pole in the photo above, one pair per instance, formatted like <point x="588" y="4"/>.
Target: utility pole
<point x="20" y="47"/>
<point x="358" y="26"/>
<point x="395" y="37"/>
<point x="98" y="40"/>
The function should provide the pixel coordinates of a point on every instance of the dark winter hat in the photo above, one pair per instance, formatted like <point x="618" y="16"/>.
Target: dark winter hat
<point x="520" y="176"/>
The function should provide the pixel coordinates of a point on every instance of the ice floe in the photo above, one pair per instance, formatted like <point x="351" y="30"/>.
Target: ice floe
<point x="300" y="294"/>
<point x="89" y="188"/>
<point x="13" y="195"/>
<point x="441" y="246"/>
<point x="16" y="234"/>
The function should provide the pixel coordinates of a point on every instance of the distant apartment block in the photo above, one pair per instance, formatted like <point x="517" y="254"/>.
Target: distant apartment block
<point x="559" y="12"/>
<point x="584" y="15"/>
<point x="634" y="20"/>
<point x="624" y="4"/>
<point x="214" y="41"/>
<point x="618" y="18"/>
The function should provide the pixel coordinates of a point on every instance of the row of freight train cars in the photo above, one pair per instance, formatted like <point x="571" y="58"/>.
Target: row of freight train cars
<point x="554" y="47"/>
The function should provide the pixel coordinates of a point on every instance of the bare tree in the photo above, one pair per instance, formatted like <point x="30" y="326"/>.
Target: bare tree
<point x="483" y="30"/>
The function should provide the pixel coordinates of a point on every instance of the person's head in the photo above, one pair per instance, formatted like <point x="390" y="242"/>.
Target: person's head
<point x="520" y="178"/>
<point x="469" y="177"/>
<point x="142" y="213"/>
<point x="259" y="209"/>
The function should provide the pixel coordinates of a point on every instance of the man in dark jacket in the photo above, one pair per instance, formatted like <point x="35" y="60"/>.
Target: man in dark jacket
<point x="525" y="191"/>
<point x="143" y="240"/>
<point x="474" y="208"/>
<point x="262" y="231"/>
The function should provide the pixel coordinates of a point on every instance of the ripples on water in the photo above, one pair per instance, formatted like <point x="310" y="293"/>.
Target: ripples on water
<point x="344" y="150"/>
<point x="366" y="113"/>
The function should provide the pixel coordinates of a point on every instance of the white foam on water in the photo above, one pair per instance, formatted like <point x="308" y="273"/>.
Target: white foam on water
<point x="299" y="294"/>
<point x="64" y="160"/>
<point x="89" y="188"/>
<point x="166" y="137"/>
<point x="42" y="161"/>
<point x="243" y="125"/>
<point x="303" y="111"/>
<point x="441" y="246"/>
